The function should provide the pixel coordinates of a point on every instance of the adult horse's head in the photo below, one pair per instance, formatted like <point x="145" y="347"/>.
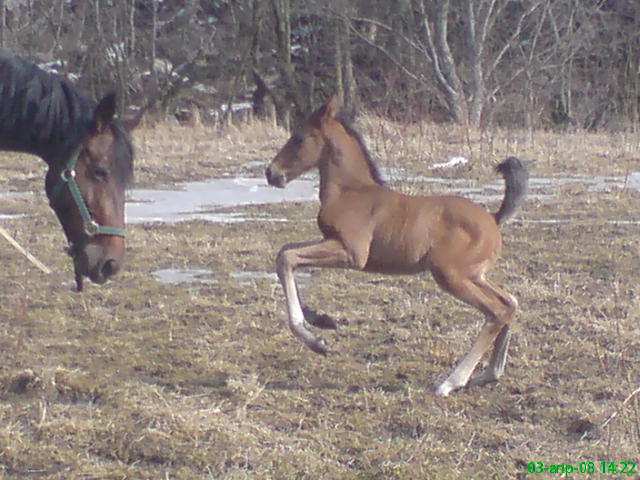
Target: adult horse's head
<point x="86" y="189"/>
<point x="89" y="154"/>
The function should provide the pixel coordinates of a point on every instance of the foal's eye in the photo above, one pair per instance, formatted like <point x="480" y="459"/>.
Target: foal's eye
<point x="296" y="140"/>
<point x="100" y="174"/>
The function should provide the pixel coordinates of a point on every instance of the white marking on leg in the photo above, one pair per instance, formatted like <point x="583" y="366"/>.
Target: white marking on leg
<point x="461" y="374"/>
<point x="495" y="369"/>
<point x="297" y="324"/>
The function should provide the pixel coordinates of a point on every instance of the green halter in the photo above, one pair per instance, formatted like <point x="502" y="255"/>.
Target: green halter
<point x="68" y="177"/>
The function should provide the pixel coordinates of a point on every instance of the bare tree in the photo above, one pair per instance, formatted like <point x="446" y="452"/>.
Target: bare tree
<point x="3" y="22"/>
<point x="435" y="17"/>
<point x="460" y="62"/>
<point x="344" y="76"/>
<point x="535" y="62"/>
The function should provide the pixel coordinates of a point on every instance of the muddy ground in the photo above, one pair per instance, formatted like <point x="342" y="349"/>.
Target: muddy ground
<point x="140" y="379"/>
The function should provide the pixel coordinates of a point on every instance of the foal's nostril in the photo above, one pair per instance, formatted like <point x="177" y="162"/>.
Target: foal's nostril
<point x="110" y="268"/>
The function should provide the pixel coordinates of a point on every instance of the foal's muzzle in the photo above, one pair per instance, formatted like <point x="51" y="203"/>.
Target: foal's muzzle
<point x="275" y="177"/>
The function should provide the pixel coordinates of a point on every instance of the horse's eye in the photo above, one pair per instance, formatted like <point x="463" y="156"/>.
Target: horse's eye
<point x="100" y="174"/>
<point x="296" y="140"/>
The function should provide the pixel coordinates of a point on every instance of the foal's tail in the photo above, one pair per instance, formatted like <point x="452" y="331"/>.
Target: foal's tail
<point x="516" y="179"/>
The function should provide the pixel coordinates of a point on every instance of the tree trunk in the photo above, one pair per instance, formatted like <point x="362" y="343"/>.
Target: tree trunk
<point x="281" y="10"/>
<point x="435" y="17"/>
<point x="475" y="41"/>
<point x="338" y="61"/>
<point x="290" y="99"/>
<point x="132" y="32"/>
<point x="351" y="97"/>
<point x="154" y="33"/>
<point x="3" y="22"/>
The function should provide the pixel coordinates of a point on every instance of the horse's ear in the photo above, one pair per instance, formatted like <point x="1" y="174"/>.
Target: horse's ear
<point x="331" y="107"/>
<point x="104" y="112"/>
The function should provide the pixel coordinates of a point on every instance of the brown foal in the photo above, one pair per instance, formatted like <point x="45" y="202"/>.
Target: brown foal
<point x="367" y="226"/>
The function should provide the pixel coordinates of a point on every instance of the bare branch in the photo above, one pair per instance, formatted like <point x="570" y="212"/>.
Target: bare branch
<point x="404" y="38"/>
<point x="418" y="78"/>
<point x="514" y="35"/>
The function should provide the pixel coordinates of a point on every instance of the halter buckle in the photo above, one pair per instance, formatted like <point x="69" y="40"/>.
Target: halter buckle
<point x="67" y="174"/>
<point x="91" y="228"/>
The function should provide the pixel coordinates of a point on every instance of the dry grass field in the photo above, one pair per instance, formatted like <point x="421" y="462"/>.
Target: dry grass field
<point x="139" y="379"/>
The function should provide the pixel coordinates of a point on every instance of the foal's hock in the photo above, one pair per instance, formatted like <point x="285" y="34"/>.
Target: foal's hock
<point x="367" y="226"/>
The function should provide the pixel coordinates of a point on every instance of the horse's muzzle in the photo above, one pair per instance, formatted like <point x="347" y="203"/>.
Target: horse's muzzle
<point x="275" y="178"/>
<point x="97" y="262"/>
<point x="109" y="268"/>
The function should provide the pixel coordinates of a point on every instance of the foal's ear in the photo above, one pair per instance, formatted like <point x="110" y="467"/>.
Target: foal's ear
<point x="104" y="112"/>
<point x="331" y="108"/>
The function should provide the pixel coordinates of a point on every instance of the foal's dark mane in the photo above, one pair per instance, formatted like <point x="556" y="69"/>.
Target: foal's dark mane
<point x="348" y="126"/>
<point x="43" y="114"/>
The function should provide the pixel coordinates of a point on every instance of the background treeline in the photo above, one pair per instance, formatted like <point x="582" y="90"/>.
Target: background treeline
<point x="527" y="63"/>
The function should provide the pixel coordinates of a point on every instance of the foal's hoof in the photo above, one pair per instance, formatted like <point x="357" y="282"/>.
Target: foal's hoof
<point x="320" y="346"/>
<point x="323" y="321"/>
<point x="482" y="379"/>
<point x="444" y="390"/>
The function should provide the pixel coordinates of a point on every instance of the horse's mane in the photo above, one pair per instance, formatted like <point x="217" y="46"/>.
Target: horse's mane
<point x="343" y="118"/>
<point x="43" y="114"/>
<point x="39" y="112"/>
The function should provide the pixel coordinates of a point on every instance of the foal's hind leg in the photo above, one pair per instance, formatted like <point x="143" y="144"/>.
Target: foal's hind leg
<point x="501" y="345"/>
<point x="475" y="292"/>
<point x="328" y="253"/>
<point x="498" y="360"/>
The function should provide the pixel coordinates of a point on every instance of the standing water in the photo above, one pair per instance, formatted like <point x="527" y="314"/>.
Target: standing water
<point x="200" y="200"/>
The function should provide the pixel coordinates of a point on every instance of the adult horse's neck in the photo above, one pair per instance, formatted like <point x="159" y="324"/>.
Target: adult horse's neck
<point x="40" y="113"/>
<point x="51" y="153"/>
<point x="345" y="162"/>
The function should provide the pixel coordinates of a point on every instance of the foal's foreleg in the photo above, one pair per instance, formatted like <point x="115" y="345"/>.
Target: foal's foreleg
<point x="319" y="320"/>
<point x="327" y="253"/>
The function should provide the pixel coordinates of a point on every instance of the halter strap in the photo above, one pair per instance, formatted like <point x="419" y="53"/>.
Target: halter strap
<point x="68" y="178"/>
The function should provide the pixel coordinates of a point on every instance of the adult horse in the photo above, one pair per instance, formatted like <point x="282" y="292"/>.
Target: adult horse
<point x="367" y="226"/>
<point x="89" y="155"/>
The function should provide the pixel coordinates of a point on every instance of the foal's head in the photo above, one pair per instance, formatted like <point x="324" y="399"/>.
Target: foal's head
<point x="86" y="189"/>
<point x="304" y="148"/>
